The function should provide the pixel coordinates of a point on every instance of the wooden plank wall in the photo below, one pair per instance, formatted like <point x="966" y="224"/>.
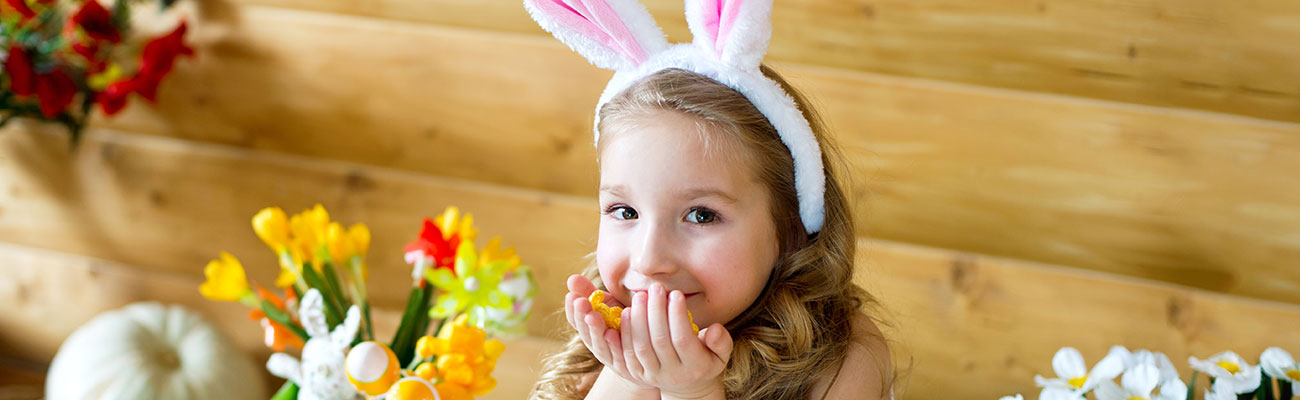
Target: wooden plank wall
<point x="1029" y="175"/>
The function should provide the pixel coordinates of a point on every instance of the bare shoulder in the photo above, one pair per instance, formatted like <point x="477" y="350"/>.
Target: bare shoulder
<point x="866" y="371"/>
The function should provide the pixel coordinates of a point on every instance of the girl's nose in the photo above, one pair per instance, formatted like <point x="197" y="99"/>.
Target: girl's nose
<point x="650" y="251"/>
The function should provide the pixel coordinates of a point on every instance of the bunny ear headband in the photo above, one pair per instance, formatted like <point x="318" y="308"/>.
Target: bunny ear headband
<point x="731" y="37"/>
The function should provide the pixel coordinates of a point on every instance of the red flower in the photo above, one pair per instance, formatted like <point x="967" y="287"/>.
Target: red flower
<point x="430" y="244"/>
<point x="19" y="68"/>
<point x="55" y="91"/>
<point x="96" y="21"/>
<point x="158" y="57"/>
<point x="21" y="6"/>
<point x="113" y="98"/>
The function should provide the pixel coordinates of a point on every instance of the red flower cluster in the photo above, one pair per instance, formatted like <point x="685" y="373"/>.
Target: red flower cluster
<point x="156" y="62"/>
<point x="48" y="77"/>
<point x="53" y="89"/>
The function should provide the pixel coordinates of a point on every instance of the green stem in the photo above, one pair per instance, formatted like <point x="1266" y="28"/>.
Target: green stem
<point x="289" y="391"/>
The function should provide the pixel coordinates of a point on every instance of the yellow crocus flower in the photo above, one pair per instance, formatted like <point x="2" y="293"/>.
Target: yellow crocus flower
<point x="272" y="226"/>
<point x="226" y="280"/>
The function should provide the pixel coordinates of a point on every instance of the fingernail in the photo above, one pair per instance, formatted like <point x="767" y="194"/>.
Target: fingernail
<point x="677" y="295"/>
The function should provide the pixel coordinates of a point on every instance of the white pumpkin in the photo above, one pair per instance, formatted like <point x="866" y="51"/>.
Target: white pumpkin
<point x="151" y="351"/>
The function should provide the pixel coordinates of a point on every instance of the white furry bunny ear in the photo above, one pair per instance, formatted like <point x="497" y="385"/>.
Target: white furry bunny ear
<point x="611" y="34"/>
<point x="736" y="31"/>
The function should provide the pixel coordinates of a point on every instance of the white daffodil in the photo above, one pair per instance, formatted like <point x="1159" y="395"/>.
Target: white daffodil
<point x="1237" y="375"/>
<point x="1016" y="397"/>
<point x="1279" y="365"/>
<point x="1138" y="383"/>
<point x="1073" y="374"/>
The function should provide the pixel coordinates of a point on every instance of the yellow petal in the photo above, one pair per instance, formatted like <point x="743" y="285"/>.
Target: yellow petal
<point x="446" y="222"/>
<point x="226" y="279"/>
<point x="466" y="229"/>
<point x="360" y="235"/>
<point x="493" y="349"/>
<point x="339" y="243"/>
<point x="272" y="227"/>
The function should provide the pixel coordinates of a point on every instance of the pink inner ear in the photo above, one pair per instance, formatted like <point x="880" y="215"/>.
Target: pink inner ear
<point x="596" y="20"/>
<point x="719" y="17"/>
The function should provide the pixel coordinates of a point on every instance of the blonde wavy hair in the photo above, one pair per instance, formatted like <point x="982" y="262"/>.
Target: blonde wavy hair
<point x="799" y="328"/>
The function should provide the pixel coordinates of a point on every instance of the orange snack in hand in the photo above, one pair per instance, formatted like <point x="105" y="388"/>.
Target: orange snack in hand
<point x="612" y="314"/>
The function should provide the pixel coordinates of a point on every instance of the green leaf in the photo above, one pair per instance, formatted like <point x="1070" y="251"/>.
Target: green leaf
<point x="332" y="314"/>
<point x="282" y="318"/>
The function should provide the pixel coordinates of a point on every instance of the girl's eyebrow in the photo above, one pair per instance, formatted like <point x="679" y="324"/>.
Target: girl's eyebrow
<point x="695" y="193"/>
<point x="616" y="190"/>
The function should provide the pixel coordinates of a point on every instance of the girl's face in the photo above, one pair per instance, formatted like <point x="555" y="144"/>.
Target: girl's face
<point x="685" y="216"/>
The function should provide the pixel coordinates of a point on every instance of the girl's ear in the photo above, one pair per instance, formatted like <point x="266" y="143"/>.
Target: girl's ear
<point x="736" y="31"/>
<point x="611" y="34"/>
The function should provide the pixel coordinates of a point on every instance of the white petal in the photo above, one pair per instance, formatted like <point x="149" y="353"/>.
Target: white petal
<point x="1068" y="363"/>
<point x="1208" y="367"/>
<point x="1274" y="360"/>
<point x="1052" y="383"/>
<point x="1245" y="381"/>
<point x="1058" y="394"/>
<point x="1108" y="390"/>
<point x="1172" y="389"/>
<point x="1141" y="380"/>
<point x="1228" y="356"/>
<point x="1016" y="397"/>
<point x="1123" y="353"/>
<point x="1295" y="387"/>
<point x="1106" y="369"/>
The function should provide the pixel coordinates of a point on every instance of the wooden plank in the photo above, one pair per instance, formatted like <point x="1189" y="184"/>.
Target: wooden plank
<point x="973" y="326"/>
<point x="1212" y="55"/>
<point x="49" y="294"/>
<point x="1146" y="190"/>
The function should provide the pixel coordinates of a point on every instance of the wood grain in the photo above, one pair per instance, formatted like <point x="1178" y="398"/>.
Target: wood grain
<point x="1215" y="55"/>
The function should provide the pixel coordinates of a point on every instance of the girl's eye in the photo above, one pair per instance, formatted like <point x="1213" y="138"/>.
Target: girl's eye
<point x="622" y="212"/>
<point x="701" y="216"/>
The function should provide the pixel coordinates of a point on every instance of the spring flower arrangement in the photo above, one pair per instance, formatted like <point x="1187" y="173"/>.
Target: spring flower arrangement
<point x="466" y="295"/>
<point x="63" y="57"/>
<point x="1145" y="375"/>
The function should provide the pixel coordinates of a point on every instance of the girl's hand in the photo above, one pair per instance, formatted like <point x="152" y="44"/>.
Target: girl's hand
<point x="657" y="347"/>
<point x="591" y="329"/>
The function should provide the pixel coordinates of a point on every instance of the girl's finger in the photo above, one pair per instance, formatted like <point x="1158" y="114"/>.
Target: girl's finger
<point x="657" y="318"/>
<point x="629" y="356"/>
<point x="584" y="331"/>
<point x="645" y="352"/>
<point x="614" y="342"/>
<point x="683" y="337"/>
<point x="596" y="327"/>
<point x="568" y="308"/>
<point x="580" y="285"/>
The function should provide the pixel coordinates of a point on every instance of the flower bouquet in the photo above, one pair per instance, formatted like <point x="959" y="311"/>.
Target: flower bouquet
<point x="1151" y="376"/>
<point x="58" y="53"/>
<point x="471" y="294"/>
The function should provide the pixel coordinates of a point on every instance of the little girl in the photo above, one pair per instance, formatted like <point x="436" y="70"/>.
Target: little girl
<point x="722" y="208"/>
